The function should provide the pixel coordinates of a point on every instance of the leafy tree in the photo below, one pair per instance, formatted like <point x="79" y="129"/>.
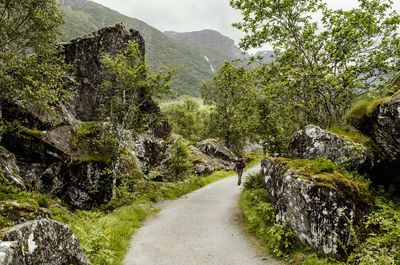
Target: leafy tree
<point x="324" y="65"/>
<point x="231" y="94"/>
<point x="128" y="89"/>
<point x="187" y="119"/>
<point x="30" y="65"/>
<point x="179" y="162"/>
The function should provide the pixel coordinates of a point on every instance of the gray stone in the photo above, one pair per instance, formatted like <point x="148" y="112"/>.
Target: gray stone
<point x="318" y="209"/>
<point x="43" y="242"/>
<point x="313" y="142"/>
<point x="383" y="127"/>
<point x="147" y="149"/>
<point x="215" y="148"/>
<point x="9" y="168"/>
<point x="204" y="164"/>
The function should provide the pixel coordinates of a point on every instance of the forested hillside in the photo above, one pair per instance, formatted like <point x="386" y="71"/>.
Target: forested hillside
<point x="195" y="64"/>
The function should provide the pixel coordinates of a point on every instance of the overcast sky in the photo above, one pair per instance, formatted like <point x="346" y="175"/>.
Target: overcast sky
<point x="193" y="15"/>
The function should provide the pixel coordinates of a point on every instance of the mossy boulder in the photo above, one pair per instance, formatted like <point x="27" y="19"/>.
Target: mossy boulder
<point x="41" y="242"/>
<point x="382" y="125"/>
<point x="17" y="213"/>
<point x="313" y="142"/>
<point x="319" y="207"/>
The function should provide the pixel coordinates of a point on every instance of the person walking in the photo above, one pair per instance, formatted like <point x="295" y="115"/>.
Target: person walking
<point x="239" y="166"/>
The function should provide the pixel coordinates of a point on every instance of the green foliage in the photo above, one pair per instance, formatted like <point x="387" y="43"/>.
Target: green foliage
<point x="260" y="218"/>
<point x="260" y="222"/>
<point x="128" y="87"/>
<point x="322" y="164"/>
<point x="282" y="240"/>
<point x="381" y="245"/>
<point x="187" y="117"/>
<point x="254" y="182"/>
<point x="322" y="68"/>
<point x="98" y="141"/>
<point x="30" y="66"/>
<point x="179" y="162"/>
<point x="4" y="222"/>
<point x="230" y="93"/>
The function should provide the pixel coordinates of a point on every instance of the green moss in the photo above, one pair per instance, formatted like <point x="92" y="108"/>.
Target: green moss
<point x="88" y="159"/>
<point x="197" y="161"/>
<point x="34" y="133"/>
<point x="365" y="108"/>
<point x="324" y="173"/>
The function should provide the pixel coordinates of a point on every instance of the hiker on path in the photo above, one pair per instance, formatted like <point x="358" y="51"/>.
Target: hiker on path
<point x="239" y="165"/>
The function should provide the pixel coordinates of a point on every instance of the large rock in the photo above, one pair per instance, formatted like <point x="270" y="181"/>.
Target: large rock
<point x="313" y="142"/>
<point x="41" y="242"/>
<point x="216" y="148"/>
<point x="204" y="164"/>
<point x="383" y="126"/>
<point x="319" y="207"/>
<point x="85" y="54"/>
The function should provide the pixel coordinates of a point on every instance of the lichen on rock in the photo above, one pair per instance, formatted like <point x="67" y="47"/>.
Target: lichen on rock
<point x="319" y="208"/>
<point x="41" y="242"/>
<point x="313" y="142"/>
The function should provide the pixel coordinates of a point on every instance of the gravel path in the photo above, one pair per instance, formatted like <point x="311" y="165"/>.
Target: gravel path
<point x="200" y="228"/>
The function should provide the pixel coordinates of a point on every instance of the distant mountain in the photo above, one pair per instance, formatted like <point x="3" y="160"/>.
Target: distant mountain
<point x="199" y="63"/>
<point x="211" y="39"/>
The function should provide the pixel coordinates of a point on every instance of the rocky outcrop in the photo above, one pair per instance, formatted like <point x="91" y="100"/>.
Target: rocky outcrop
<point x="41" y="242"/>
<point x="317" y="207"/>
<point x="85" y="54"/>
<point x="9" y="168"/>
<point x="382" y="125"/>
<point x="217" y="149"/>
<point x="313" y="142"/>
<point x="46" y="147"/>
<point x="210" y="155"/>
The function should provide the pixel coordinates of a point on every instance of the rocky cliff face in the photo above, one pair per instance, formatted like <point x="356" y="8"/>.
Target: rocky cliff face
<point x="317" y="207"/>
<point x="85" y="54"/>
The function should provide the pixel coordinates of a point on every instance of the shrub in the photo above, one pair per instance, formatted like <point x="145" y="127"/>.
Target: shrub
<point x="179" y="162"/>
<point x="254" y="182"/>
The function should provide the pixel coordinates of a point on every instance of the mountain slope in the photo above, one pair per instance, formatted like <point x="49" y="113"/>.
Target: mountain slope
<point x="194" y="62"/>
<point x="208" y="38"/>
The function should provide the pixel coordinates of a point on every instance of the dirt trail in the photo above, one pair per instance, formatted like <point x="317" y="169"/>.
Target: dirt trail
<point x="200" y="228"/>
